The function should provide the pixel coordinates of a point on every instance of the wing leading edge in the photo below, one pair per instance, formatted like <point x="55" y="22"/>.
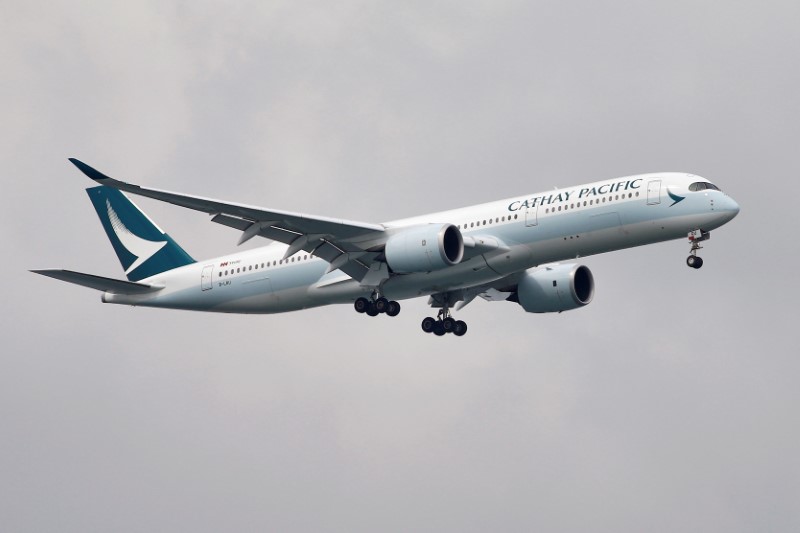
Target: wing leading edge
<point x="352" y="247"/>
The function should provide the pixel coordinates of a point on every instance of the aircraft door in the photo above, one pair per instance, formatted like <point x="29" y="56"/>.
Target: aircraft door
<point x="206" y="278"/>
<point x="532" y="216"/>
<point x="653" y="192"/>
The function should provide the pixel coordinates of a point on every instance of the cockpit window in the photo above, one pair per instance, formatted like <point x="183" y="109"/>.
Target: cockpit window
<point x="703" y="185"/>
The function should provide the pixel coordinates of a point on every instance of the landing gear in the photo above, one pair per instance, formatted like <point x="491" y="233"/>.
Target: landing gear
<point x="695" y="237"/>
<point x="444" y="324"/>
<point x="376" y="306"/>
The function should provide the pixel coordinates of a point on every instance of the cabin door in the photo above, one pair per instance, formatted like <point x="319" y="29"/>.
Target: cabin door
<point x="653" y="192"/>
<point x="531" y="216"/>
<point x="206" y="277"/>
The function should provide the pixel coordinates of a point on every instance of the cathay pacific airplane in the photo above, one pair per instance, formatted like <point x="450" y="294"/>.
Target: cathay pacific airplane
<point x="523" y="250"/>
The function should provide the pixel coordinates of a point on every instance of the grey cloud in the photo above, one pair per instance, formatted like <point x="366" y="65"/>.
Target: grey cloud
<point x="667" y="404"/>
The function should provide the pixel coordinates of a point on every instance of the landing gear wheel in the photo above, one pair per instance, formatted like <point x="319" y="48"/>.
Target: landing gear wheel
<point x="393" y="309"/>
<point x="694" y="261"/>
<point x="381" y="304"/>
<point x="438" y="329"/>
<point x="372" y="310"/>
<point x="361" y="305"/>
<point x="428" y="324"/>
<point x="449" y="324"/>
<point x="460" y="328"/>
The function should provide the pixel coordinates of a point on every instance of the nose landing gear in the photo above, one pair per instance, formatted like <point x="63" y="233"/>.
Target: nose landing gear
<point x="695" y="237"/>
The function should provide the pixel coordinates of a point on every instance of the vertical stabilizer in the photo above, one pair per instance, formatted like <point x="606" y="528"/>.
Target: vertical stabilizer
<point x="142" y="247"/>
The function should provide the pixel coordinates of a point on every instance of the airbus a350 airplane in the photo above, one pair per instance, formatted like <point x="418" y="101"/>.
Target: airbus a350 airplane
<point x="505" y="250"/>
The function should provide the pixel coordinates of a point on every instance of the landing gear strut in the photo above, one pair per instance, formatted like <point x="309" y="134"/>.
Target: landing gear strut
<point x="376" y="305"/>
<point x="444" y="323"/>
<point x="695" y="237"/>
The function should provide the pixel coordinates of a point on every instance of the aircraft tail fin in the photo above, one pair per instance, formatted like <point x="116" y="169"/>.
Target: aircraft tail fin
<point x="142" y="247"/>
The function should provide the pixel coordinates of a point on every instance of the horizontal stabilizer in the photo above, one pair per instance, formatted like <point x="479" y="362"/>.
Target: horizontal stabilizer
<point x="98" y="282"/>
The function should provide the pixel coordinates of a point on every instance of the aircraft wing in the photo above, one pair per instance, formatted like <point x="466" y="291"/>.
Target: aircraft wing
<point x="349" y="246"/>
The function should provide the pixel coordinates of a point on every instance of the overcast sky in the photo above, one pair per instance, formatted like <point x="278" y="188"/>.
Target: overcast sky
<point x="668" y="404"/>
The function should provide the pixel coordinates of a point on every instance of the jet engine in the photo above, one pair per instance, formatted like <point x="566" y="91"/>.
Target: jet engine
<point x="424" y="248"/>
<point x="555" y="288"/>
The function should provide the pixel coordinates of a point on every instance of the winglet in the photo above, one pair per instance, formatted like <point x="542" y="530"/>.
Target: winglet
<point x="96" y="175"/>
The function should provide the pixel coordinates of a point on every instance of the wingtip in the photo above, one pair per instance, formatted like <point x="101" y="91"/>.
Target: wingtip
<point x="94" y="174"/>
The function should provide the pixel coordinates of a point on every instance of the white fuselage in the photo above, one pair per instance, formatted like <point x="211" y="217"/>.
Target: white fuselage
<point x="520" y="233"/>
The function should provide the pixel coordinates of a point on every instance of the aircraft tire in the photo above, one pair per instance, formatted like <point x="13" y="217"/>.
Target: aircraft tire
<point x="381" y="304"/>
<point x="428" y="324"/>
<point x="460" y="328"/>
<point x="361" y="305"/>
<point x="393" y="309"/>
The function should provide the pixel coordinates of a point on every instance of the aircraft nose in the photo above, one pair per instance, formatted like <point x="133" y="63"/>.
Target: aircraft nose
<point x="731" y="208"/>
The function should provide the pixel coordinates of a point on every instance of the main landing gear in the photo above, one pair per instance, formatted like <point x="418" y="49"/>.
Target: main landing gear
<point x="695" y="237"/>
<point x="444" y="323"/>
<point x="376" y="305"/>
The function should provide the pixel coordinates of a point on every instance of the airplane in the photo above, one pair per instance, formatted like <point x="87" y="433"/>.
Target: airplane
<point x="524" y="250"/>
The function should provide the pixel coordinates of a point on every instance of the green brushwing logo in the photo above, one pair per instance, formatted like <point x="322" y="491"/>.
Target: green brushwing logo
<point x="675" y="197"/>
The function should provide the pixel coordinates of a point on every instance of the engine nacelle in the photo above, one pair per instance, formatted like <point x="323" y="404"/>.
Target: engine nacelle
<point x="555" y="288"/>
<point x="424" y="248"/>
